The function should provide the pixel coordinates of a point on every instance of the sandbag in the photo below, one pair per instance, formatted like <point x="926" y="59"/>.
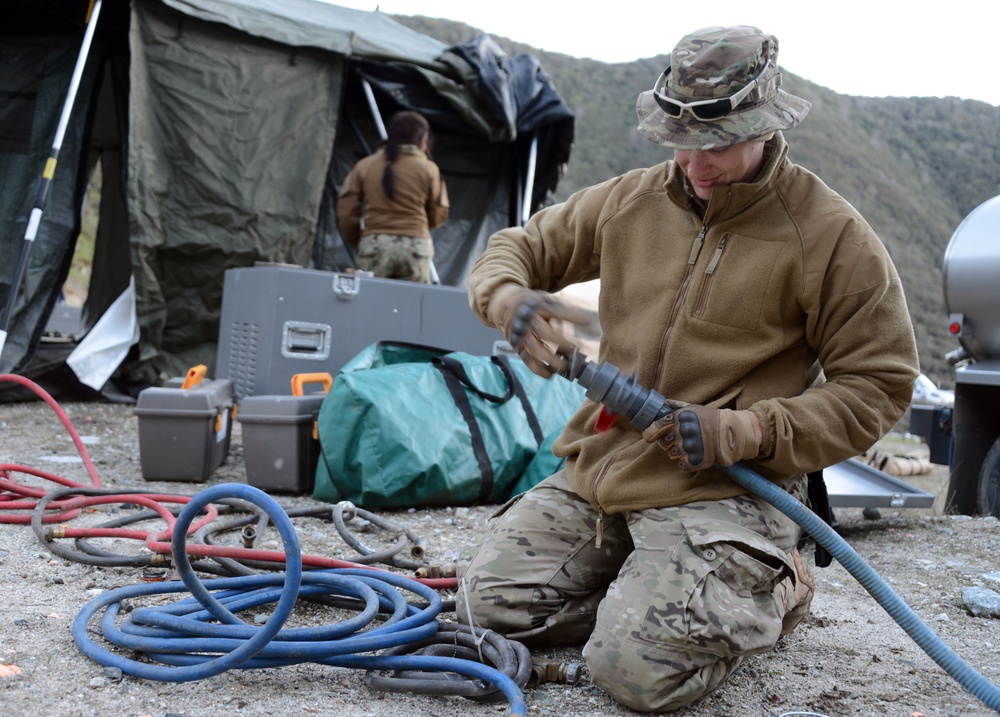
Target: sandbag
<point x="407" y="426"/>
<point x="897" y="464"/>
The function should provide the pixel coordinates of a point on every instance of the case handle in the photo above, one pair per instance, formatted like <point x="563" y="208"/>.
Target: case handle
<point x="300" y="379"/>
<point x="194" y="376"/>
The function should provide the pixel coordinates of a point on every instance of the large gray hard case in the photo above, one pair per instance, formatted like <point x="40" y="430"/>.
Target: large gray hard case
<point x="279" y="321"/>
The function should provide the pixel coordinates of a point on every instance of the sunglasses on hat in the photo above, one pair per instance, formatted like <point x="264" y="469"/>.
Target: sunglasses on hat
<point x="703" y="109"/>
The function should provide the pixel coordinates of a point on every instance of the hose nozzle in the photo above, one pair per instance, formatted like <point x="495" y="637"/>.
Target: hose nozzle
<point x="623" y="395"/>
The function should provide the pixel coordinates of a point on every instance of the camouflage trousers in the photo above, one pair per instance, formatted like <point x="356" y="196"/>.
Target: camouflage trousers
<point x="390" y="256"/>
<point x="669" y="600"/>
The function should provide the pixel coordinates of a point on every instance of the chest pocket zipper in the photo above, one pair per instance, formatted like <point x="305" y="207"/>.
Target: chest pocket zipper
<point x="709" y="275"/>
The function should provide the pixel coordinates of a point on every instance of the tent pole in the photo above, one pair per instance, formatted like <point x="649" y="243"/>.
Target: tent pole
<point x="376" y="115"/>
<point x="529" y="181"/>
<point x="49" y="171"/>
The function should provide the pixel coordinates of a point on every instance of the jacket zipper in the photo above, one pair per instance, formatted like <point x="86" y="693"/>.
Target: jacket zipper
<point x="709" y="274"/>
<point x="692" y="258"/>
<point x="600" y="509"/>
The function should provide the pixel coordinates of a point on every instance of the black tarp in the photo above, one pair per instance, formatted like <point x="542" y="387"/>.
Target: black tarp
<point x="515" y="106"/>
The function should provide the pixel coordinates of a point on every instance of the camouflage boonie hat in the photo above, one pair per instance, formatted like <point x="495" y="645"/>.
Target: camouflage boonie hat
<point x="707" y="68"/>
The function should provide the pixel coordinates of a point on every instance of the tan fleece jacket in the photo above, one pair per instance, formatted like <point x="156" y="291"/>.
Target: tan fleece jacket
<point x="420" y="201"/>
<point x="738" y="309"/>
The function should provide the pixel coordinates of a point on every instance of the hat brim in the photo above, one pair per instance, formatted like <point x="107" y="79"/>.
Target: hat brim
<point x="783" y="111"/>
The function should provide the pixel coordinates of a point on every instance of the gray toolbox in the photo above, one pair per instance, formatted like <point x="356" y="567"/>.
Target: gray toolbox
<point x="280" y="437"/>
<point x="278" y="321"/>
<point x="184" y="427"/>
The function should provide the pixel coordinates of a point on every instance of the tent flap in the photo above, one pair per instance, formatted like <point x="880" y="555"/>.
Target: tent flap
<point x="230" y="137"/>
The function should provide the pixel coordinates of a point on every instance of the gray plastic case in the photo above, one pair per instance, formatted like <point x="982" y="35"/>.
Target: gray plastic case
<point x="278" y="321"/>
<point x="279" y="447"/>
<point x="184" y="433"/>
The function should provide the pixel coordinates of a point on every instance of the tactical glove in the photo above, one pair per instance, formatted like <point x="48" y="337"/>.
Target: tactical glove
<point x="700" y="437"/>
<point x="525" y="318"/>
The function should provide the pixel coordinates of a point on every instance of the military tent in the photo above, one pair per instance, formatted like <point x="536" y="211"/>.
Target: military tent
<point x="223" y="129"/>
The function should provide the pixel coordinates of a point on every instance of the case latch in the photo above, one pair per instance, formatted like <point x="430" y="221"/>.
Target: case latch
<point x="346" y="286"/>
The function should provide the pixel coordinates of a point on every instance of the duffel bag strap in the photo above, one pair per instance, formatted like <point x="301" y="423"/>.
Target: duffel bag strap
<point x="529" y="411"/>
<point x="461" y="398"/>
<point x="457" y="380"/>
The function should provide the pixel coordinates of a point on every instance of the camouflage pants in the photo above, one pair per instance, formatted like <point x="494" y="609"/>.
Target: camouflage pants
<point x="669" y="603"/>
<point x="390" y="256"/>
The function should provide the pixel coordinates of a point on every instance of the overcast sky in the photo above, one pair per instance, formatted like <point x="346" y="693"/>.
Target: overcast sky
<point x="875" y="48"/>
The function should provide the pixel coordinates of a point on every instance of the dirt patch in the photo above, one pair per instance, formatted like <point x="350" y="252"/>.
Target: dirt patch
<point x="848" y="658"/>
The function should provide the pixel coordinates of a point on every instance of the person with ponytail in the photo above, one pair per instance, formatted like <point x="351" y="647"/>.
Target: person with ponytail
<point x="392" y="199"/>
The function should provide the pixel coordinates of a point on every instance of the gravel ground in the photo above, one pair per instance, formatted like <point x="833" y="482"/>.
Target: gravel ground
<point x="847" y="658"/>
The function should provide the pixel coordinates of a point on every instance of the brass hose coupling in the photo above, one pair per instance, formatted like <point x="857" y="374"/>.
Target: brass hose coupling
<point x="545" y="670"/>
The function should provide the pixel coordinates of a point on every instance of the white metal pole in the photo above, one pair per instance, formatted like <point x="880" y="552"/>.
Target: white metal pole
<point x="48" y="173"/>
<point x="529" y="181"/>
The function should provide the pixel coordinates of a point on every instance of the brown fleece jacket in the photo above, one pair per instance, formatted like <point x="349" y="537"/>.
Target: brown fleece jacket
<point x="419" y="204"/>
<point x="738" y="306"/>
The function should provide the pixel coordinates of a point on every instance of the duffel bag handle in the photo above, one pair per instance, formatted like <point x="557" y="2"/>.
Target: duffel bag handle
<point x="456" y="369"/>
<point x="453" y="367"/>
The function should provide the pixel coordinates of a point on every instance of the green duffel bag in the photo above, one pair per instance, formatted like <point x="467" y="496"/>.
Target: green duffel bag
<point x="544" y="464"/>
<point x="407" y="426"/>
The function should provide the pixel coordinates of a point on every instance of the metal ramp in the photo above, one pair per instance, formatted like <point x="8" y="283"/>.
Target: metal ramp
<point x="853" y="484"/>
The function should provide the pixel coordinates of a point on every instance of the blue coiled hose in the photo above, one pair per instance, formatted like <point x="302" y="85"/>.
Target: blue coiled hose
<point x="185" y="638"/>
<point x="929" y="642"/>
